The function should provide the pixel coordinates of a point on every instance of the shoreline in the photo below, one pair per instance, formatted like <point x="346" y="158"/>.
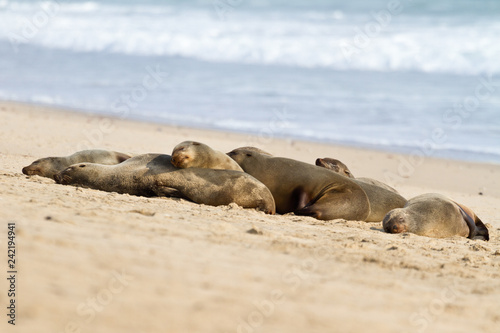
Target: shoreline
<point x="94" y="261"/>
<point x="397" y="169"/>
<point x="405" y="151"/>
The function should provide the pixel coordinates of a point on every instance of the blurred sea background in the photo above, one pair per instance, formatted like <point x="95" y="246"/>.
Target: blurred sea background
<point x="405" y="76"/>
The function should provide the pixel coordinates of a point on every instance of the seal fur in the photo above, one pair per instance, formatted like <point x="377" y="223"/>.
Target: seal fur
<point x="192" y="154"/>
<point x="434" y="215"/>
<point x="50" y="166"/>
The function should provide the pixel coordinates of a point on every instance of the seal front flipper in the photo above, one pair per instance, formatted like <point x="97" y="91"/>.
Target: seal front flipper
<point x="477" y="229"/>
<point x="300" y="198"/>
<point x="482" y="231"/>
<point x="169" y="192"/>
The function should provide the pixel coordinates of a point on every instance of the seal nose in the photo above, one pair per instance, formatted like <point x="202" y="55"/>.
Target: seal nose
<point x="397" y="226"/>
<point x="25" y="170"/>
<point x="58" y="178"/>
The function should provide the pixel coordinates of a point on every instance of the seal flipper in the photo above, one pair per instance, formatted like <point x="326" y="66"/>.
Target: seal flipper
<point x="169" y="192"/>
<point x="477" y="229"/>
<point x="300" y="198"/>
<point x="309" y="211"/>
<point x="482" y="231"/>
<point x="338" y="201"/>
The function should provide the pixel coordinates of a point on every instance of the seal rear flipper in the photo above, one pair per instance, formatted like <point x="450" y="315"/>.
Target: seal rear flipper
<point x="477" y="229"/>
<point x="482" y="231"/>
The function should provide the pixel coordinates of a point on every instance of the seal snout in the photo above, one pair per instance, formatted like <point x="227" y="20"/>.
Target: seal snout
<point x="397" y="229"/>
<point x="395" y="224"/>
<point x="320" y="162"/>
<point x="179" y="157"/>
<point x="58" y="178"/>
<point x="324" y="163"/>
<point x="30" y="171"/>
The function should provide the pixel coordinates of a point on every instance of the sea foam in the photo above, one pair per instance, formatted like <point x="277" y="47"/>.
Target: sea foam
<point x="325" y="39"/>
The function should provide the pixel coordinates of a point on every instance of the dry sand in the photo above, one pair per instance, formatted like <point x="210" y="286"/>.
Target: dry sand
<point x="92" y="261"/>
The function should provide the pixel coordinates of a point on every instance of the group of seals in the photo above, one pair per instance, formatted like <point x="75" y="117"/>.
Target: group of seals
<point x="50" y="166"/>
<point x="253" y="178"/>
<point x="306" y="189"/>
<point x="431" y="214"/>
<point x="155" y="175"/>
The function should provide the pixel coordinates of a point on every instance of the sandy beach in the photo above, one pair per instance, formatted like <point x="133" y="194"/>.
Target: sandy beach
<point x="92" y="261"/>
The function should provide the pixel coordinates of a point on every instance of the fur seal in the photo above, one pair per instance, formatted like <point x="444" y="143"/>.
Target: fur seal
<point x="341" y="168"/>
<point x="334" y="165"/>
<point x="49" y="166"/>
<point x="192" y="154"/>
<point x="155" y="175"/>
<point x="257" y="150"/>
<point x="309" y="190"/>
<point x="434" y="215"/>
<point x="134" y="176"/>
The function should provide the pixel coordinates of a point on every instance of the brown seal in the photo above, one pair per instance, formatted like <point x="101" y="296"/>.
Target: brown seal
<point x="341" y="168"/>
<point x="192" y="154"/>
<point x="257" y="150"/>
<point x="434" y="215"/>
<point x="49" y="166"/>
<point x="334" y="165"/>
<point x="154" y="175"/>
<point x="306" y="189"/>
<point x="134" y="176"/>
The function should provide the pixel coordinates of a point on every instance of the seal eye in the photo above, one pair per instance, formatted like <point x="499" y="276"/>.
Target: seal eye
<point x="249" y="155"/>
<point x="82" y="165"/>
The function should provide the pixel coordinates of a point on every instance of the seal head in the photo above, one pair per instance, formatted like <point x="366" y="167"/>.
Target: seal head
<point x="192" y="154"/>
<point x="335" y="165"/>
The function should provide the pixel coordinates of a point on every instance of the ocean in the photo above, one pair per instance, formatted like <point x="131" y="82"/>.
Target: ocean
<point x="418" y="77"/>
